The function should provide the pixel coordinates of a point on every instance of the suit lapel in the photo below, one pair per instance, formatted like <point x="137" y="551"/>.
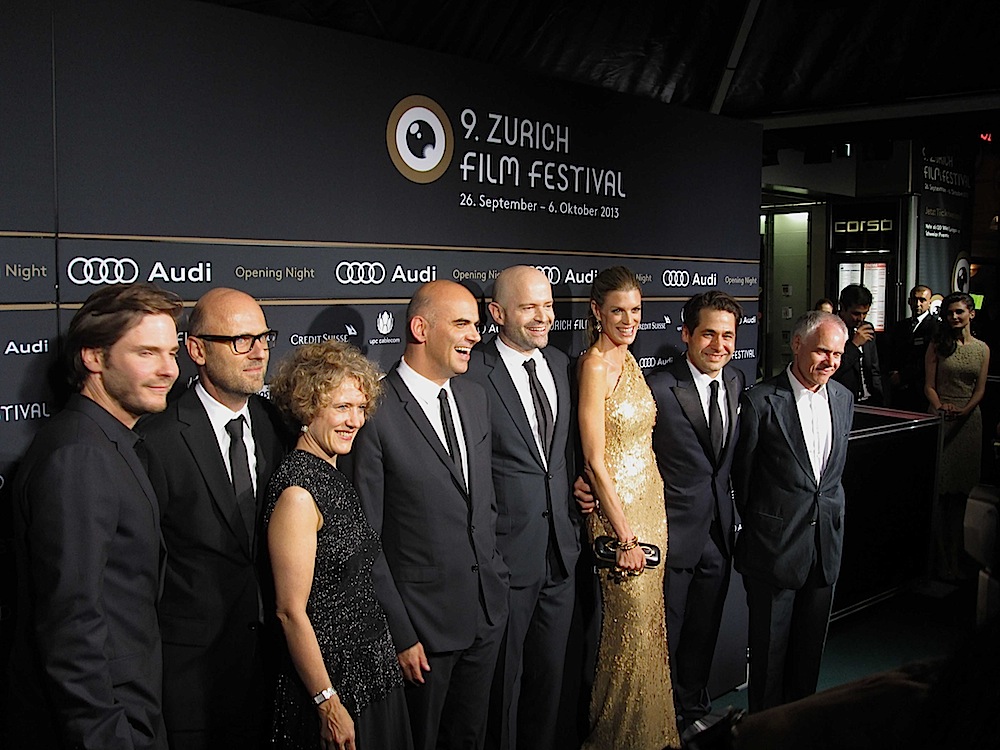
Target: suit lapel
<point x="839" y="411"/>
<point x="416" y="414"/>
<point x="196" y="430"/>
<point x="787" y="416"/>
<point x="501" y="380"/>
<point x="686" y="393"/>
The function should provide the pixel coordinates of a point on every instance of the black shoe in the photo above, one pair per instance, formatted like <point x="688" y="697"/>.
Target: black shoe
<point x="713" y="731"/>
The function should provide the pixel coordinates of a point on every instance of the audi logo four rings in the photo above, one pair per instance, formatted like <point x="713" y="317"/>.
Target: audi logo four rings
<point x="553" y="273"/>
<point x="102" y="271"/>
<point x="675" y="278"/>
<point x="358" y="272"/>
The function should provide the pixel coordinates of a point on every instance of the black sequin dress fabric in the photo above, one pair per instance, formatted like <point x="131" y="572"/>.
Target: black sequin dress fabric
<point x="350" y="625"/>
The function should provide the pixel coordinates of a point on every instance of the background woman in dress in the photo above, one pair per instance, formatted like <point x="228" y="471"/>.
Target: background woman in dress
<point x="342" y="687"/>
<point x="956" y="369"/>
<point x="631" y="703"/>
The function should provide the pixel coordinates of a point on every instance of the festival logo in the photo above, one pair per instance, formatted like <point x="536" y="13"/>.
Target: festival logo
<point x="420" y="139"/>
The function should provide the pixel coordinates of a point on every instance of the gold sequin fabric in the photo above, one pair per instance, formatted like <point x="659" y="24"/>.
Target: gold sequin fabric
<point x="632" y="703"/>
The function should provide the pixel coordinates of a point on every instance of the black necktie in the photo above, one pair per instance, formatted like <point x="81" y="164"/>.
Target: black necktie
<point x="543" y="410"/>
<point x="450" y="436"/>
<point x="715" y="418"/>
<point x="239" y="465"/>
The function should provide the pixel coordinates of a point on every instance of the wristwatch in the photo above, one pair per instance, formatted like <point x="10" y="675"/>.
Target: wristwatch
<point x="324" y="695"/>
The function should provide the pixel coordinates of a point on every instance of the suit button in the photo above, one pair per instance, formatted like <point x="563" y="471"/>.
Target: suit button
<point x="475" y="568"/>
<point x="472" y="528"/>
<point x="545" y="514"/>
<point x="812" y="523"/>
<point x="251" y="626"/>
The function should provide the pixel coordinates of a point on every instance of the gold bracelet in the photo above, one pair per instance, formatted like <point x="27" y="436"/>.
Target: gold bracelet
<point x="630" y="544"/>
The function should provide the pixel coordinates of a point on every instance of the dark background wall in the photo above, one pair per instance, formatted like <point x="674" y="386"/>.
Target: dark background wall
<point x="198" y="146"/>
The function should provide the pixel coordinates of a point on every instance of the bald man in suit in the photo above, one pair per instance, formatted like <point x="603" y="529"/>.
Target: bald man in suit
<point x="423" y="471"/>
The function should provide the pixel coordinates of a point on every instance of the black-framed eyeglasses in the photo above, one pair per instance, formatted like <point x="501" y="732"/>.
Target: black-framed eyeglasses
<point x="243" y="343"/>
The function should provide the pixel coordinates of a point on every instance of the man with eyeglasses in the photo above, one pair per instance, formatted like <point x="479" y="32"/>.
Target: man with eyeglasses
<point x="210" y="455"/>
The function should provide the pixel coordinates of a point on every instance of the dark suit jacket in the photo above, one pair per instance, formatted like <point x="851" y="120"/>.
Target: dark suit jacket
<point x="86" y="659"/>
<point x="781" y="504"/>
<point x="849" y="372"/>
<point x="908" y="345"/>
<point x="210" y="607"/>
<point x="528" y="494"/>
<point x="439" y="556"/>
<point x="696" y="486"/>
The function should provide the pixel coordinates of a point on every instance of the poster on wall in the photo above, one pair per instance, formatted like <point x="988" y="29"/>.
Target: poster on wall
<point x="331" y="175"/>
<point x="945" y="217"/>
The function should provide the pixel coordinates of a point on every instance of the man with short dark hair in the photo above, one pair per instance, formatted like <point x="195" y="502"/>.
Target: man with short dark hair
<point x="859" y="370"/>
<point x="696" y="422"/>
<point x="423" y="470"/>
<point x="85" y="670"/>
<point x="787" y="471"/>
<point x="908" y="341"/>
<point x="211" y="454"/>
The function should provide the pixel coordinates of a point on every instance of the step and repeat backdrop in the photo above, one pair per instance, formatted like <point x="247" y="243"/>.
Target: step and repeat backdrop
<point x="329" y="176"/>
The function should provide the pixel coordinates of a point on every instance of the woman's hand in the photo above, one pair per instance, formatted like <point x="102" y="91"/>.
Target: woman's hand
<point x="632" y="561"/>
<point x="336" y="727"/>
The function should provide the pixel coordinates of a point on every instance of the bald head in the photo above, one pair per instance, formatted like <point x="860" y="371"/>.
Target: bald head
<point x="442" y="320"/>
<point x="522" y="307"/>
<point x="230" y="378"/>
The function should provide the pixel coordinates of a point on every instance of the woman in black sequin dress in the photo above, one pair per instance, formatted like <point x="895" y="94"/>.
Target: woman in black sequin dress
<point x="341" y="687"/>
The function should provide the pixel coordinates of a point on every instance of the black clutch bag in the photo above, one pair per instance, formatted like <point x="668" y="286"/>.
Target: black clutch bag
<point x="606" y="548"/>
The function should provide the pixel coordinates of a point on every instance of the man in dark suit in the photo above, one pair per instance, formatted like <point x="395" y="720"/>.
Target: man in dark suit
<point x="85" y="670"/>
<point x="787" y="477"/>
<point x="908" y="342"/>
<point x="537" y="530"/>
<point x="859" y="370"/>
<point x="694" y="451"/>
<point x="215" y="596"/>
<point x="422" y="467"/>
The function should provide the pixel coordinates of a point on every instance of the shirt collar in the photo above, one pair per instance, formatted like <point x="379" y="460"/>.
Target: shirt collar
<point x="219" y="414"/>
<point x="701" y="380"/>
<point x="800" y="391"/>
<point x="422" y="388"/>
<point x="512" y="356"/>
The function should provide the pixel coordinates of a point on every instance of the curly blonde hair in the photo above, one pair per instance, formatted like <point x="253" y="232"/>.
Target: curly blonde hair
<point x="309" y="375"/>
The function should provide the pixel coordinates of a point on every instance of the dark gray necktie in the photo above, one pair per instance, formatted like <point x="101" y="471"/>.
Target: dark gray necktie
<point x="543" y="410"/>
<point x="715" y="418"/>
<point x="450" y="436"/>
<point x="239" y="465"/>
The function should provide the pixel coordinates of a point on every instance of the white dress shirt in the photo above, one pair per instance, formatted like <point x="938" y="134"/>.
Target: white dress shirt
<point x="219" y="416"/>
<point x="816" y="422"/>
<point x="514" y="361"/>
<point x="703" y="382"/>
<point x="426" y="393"/>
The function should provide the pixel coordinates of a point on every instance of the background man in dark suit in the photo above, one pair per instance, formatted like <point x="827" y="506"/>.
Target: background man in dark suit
<point x="422" y="466"/>
<point x="787" y="476"/>
<point x="908" y="345"/>
<point x="215" y="595"/>
<point x="859" y="370"/>
<point x="85" y="668"/>
<point x="537" y="532"/>
<point x="694" y="450"/>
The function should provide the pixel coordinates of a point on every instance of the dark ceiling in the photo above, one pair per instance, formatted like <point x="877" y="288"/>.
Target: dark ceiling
<point x="805" y="69"/>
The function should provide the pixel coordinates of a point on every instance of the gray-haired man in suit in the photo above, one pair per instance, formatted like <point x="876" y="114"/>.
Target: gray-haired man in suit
<point x="787" y="472"/>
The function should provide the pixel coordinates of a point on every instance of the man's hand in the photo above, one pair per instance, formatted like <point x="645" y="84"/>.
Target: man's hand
<point x="584" y="498"/>
<point x="413" y="662"/>
<point x="864" y="333"/>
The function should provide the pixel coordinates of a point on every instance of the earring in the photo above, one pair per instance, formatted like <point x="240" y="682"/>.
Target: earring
<point x="304" y="428"/>
<point x="597" y="325"/>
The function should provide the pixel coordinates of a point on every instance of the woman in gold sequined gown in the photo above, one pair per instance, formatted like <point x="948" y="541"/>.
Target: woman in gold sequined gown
<point x="631" y="705"/>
